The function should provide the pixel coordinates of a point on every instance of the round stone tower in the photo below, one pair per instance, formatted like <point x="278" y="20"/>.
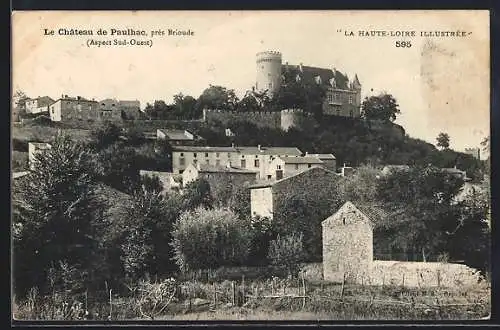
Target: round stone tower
<point x="268" y="72"/>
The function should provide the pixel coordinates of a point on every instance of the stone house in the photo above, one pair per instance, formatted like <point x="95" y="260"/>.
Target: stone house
<point x="35" y="148"/>
<point x="347" y="245"/>
<point x="329" y="160"/>
<point x="74" y="108"/>
<point x="112" y="109"/>
<point x="282" y="167"/>
<point x="39" y="104"/>
<point x="267" y="197"/>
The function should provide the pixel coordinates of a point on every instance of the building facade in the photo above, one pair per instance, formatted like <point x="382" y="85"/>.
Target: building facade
<point x="282" y="167"/>
<point x="343" y="96"/>
<point x="216" y="175"/>
<point x="329" y="160"/>
<point x="168" y="180"/>
<point x="74" y="108"/>
<point x="113" y="109"/>
<point x="474" y="152"/>
<point x="34" y="148"/>
<point x="266" y="198"/>
<point x="250" y="158"/>
<point x="38" y="105"/>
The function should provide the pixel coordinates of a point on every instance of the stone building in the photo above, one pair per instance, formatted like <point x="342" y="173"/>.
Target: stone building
<point x="178" y="136"/>
<point x="219" y="177"/>
<point x="343" y="97"/>
<point x="282" y="167"/>
<point x="256" y="158"/>
<point x="329" y="160"/>
<point x="74" y="108"/>
<point x="169" y="180"/>
<point x="35" y="148"/>
<point x="112" y="109"/>
<point x="347" y="245"/>
<point x="39" y="104"/>
<point x="267" y="197"/>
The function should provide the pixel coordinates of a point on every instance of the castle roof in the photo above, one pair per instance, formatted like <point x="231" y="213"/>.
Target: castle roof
<point x="309" y="74"/>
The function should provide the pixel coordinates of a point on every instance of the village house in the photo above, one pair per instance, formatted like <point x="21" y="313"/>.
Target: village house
<point x="216" y="175"/>
<point x="346" y="171"/>
<point x="39" y="104"/>
<point x="35" y="148"/>
<point x="456" y="173"/>
<point x="390" y="169"/>
<point x="112" y="109"/>
<point x="256" y="158"/>
<point x="169" y="180"/>
<point x="178" y="136"/>
<point x="287" y="166"/>
<point x="329" y="160"/>
<point x="266" y="197"/>
<point x="74" y="108"/>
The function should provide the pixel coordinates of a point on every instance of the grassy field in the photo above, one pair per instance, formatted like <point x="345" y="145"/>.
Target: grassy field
<point x="45" y="133"/>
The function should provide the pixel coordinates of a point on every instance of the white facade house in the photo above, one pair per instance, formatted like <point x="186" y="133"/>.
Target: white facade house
<point x="250" y="158"/>
<point x="40" y="104"/>
<point x="282" y="167"/>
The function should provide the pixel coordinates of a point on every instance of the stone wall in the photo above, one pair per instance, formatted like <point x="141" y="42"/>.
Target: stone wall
<point x="259" y="118"/>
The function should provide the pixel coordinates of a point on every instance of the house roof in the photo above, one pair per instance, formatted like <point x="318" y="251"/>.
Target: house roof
<point x="70" y="98"/>
<point x="44" y="100"/>
<point x="322" y="156"/>
<point x="265" y="184"/>
<point x="176" y="134"/>
<point x="204" y="168"/>
<point x="301" y="160"/>
<point x="243" y="150"/>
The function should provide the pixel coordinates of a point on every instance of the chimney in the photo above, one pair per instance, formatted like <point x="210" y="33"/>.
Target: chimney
<point x="232" y="145"/>
<point x="300" y="67"/>
<point x="307" y="153"/>
<point x="258" y="147"/>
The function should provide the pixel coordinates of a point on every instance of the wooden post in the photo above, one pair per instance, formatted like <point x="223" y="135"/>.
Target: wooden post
<point x="303" y="291"/>
<point x="110" y="304"/>
<point x="233" y="289"/>
<point x="215" y="296"/>
<point x="342" y="287"/>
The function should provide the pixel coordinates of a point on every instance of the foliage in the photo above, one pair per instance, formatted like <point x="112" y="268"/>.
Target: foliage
<point x="58" y="215"/>
<point x="382" y="107"/>
<point x="152" y="299"/>
<point x="286" y="252"/>
<point x="104" y="135"/>
<point x="204" y="238"/>
<point x="117" y="167"/>
<point x="217" y="97"/>
<point x="197" y="193"/>
<point x="443" y="141"/>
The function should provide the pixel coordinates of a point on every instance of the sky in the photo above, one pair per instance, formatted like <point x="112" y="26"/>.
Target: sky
<point x="441" y="84"/>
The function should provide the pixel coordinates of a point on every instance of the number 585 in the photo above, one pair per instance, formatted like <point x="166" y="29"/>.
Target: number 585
<point x="403" y="44"/>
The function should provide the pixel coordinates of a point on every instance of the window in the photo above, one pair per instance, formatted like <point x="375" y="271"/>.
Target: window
<point x="195" y="162"/>
<point x="182" y="162"/>
<point x="269" y="176"/>
<point x="207" y="161"/>
<point x="256" y="163"/>
<point x="351" y="113"/>
<point x="194" y="155"/>
<point x="278" y="167"/>
<point x="296" y="166"/>
<point x="242" y="156"/>
<point x="217" y="154"/>
<point x="206" y="154"/>
<point x="243" y="163"/>
<point x="350" y="99"/>
<point x="217" y="162"/>
<point x="309" y="165"/>
<point x="228" y="155"/>
<point x="52" y="109"/>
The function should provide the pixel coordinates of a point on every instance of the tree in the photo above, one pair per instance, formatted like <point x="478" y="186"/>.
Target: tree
<point x="206" y="239"/>
<point x="58" y="216"/>
<point x="104" y="135"/>
<point x="217" y="97"/>
<point x="382" y="107"/>
<point x="286" y="253"/>
<point x="443" y="141"/>
<point x="117" y="166"/>
<point x="197" y="193"/>
<point x="185" y="106"/>
<point x="19" y="98"/>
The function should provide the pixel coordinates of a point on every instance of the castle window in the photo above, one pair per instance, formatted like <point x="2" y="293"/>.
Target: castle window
<point x="256" y="163"/>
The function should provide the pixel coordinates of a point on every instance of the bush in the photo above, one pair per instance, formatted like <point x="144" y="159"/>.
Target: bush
<point x="205" y="239"/>
<point x="286" y="253"/>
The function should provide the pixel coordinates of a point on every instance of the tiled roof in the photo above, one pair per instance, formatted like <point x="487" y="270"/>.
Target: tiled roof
<point x="309" y="73"/>
<point x="322" y="156"/>
<point x="204" y="168"/>
<point x="176" y="134"/>
<point x="243" y="150"/>
<point x="301" y="160"/>
<point x="44" y="101"/>
<point x="264" y="184"/>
